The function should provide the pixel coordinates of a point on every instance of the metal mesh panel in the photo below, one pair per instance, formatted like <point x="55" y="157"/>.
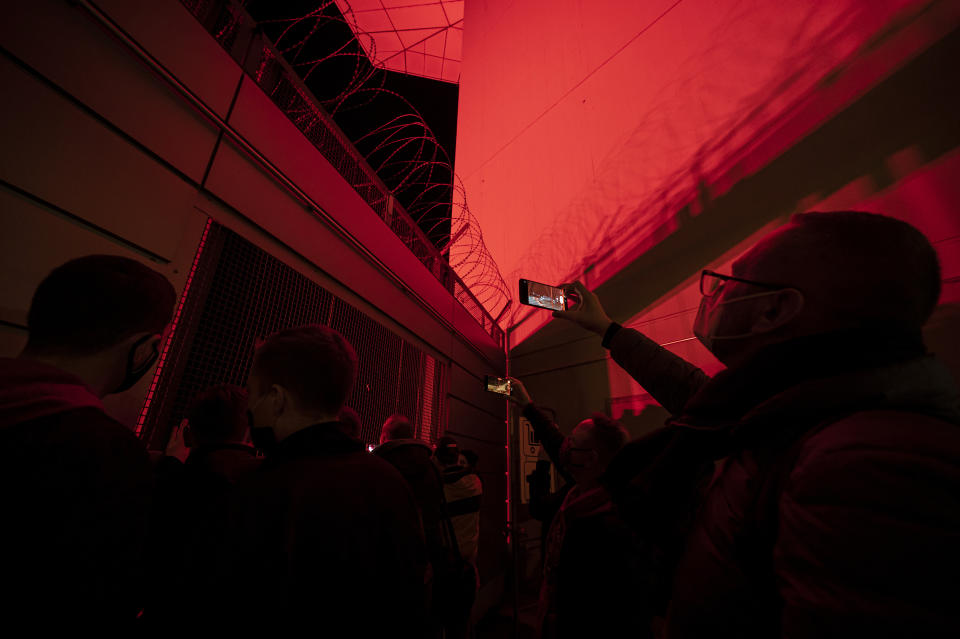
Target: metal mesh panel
<point x="248" y="294"/>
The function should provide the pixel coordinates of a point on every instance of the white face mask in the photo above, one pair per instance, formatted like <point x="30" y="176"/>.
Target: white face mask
<point x="707" y="321"/>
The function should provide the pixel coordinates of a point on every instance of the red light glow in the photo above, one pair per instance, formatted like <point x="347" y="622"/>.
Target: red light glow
<point x="419" y="37"/>
<point x="173" y="328"/>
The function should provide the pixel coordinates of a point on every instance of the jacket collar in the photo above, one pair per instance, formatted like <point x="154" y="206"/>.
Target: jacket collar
<point x="393" y="444"/>
<point x="923" y="385"/>
<point x="321" y="439"/>
<point x="31" y="390"/>
<point x="205" y="450"/>
<point x="825" y="375"/>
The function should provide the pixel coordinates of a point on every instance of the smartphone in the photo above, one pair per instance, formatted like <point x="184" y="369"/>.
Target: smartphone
<point x="542" y="296"/>
<point x="499" y="385"/>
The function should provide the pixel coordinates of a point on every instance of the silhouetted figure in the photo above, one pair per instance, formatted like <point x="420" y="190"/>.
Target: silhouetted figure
<point x="75" y="484"/>
<point x="463" y="493"/>
<point x="323" y="535"/>
<point x="596" y="576"/>
<point x="835" y="507"/>
<point x="190" y="504"/>
<point x="217" y="431"/>
<point x="412" y="458"/>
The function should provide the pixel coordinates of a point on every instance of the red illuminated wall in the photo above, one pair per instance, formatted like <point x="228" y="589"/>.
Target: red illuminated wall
<point x="585" y="126"/>
<point x="926" y="196"/>
<point x="631" y="145"/>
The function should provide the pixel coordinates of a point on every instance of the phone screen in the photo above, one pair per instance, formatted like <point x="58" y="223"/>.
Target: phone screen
<point x="542" y="295"/>
<point x="499" y="385"/>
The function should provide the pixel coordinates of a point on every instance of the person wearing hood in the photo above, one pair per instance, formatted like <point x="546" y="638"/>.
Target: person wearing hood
<point x="76" y="484"/>
<point x="834" y="509"/>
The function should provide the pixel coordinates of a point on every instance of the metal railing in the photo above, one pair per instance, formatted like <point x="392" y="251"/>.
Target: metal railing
<point x="236" y="31"/>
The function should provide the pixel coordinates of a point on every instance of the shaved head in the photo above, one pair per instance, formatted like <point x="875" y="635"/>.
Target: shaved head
<point x="855" y="269"/>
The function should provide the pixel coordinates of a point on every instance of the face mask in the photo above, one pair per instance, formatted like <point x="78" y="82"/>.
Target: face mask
<point x="262" y="437"/>
<point x="134" y="373"/>
<point x="705" y="325"/>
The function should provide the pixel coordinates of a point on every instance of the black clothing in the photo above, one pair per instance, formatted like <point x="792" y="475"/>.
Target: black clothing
<point x="325" y="536"/>
<point x="597" y="577"/>
<point x="76" y="488"/>
<point x="833" y="509"/>
<point x="412" y="458"/>
<point x="189" y="517"/>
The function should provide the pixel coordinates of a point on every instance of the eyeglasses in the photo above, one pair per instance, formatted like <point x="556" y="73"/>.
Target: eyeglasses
<point x="711" y="282"/>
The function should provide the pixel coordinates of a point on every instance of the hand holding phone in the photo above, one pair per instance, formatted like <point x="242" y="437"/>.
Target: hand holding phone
<point x="587" y="310"/>
<point x="552" y="298"/>
<point x="518" y="392"/>
<point x="499" y="385"/>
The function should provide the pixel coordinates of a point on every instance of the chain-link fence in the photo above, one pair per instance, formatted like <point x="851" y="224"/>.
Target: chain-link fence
<point x="240" y="294"/>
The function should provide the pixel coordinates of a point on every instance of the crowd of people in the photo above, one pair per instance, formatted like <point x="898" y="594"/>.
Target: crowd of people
<point x="811" y="489"/>
<point x="266" y="510"/>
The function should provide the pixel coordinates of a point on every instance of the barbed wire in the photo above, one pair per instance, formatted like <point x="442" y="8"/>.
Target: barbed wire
<point x="401" y="148"/>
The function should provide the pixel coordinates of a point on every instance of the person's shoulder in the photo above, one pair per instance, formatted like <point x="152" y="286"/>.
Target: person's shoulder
<point x="98" y="425"/>
<point x="369" y="463"/>
<point x="884" y="430"/>
<point x="877" y="444"/>
<point x="86" y="428"/>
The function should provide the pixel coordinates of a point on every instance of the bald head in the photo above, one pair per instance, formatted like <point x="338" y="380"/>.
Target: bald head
<point x="396" y="427"/>
<point x="854" y="269"/>
<point x="590" y="447"/>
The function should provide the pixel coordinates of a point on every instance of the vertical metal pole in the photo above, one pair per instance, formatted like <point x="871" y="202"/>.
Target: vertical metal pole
<point x="512" y="529"/>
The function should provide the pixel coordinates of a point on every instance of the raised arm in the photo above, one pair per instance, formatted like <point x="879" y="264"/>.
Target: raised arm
<point x="543" y="427"/>
<point x="670" y="379"/>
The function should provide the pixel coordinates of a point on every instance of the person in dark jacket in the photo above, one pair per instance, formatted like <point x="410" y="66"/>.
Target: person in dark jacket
<point x="75" y="483"/>
<point x="835" y="506"/>
<point x="190" y="503"/>
<point x="412" y="457"/>
<point x="216" y="432"/>
<point x="595" y="581"/>
<point x="322" y="533"/>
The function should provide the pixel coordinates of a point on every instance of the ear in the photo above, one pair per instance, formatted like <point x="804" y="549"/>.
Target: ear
<point x="778" y="310"/>
<point x="279" y="399"/>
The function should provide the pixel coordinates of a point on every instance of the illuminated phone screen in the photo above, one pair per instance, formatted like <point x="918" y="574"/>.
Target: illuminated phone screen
<point x="545" y="296"/>
<point x="498" y="385"/>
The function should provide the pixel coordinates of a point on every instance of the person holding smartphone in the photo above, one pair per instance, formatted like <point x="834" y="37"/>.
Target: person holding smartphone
<point x="835" y="506"/>
<point x="594" y="578"/>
